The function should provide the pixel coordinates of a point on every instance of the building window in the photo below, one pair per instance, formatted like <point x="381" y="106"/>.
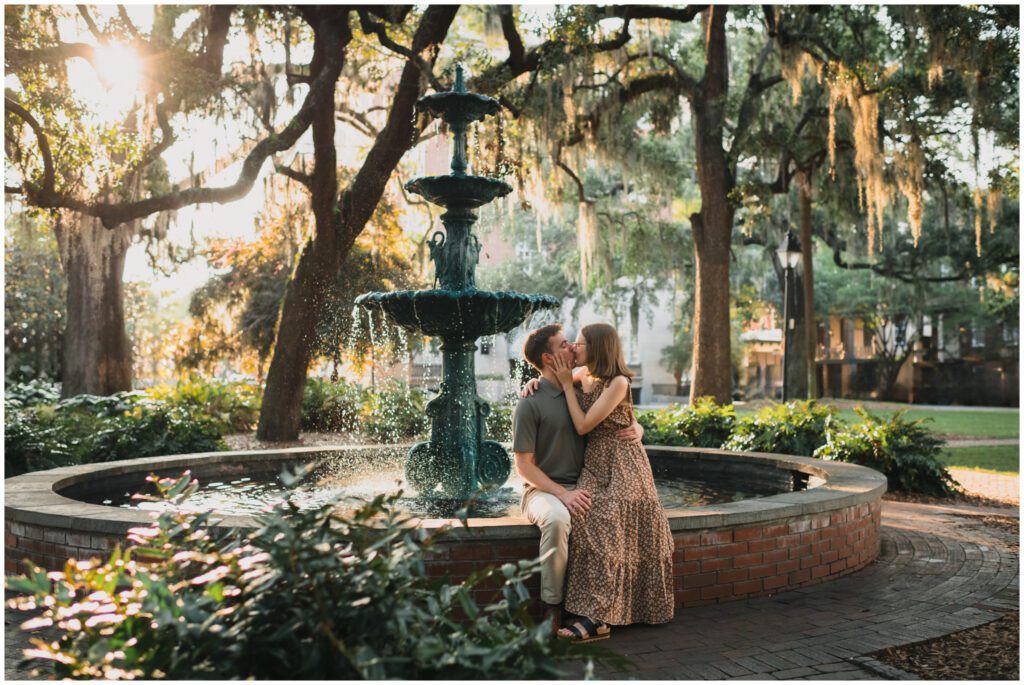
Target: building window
<point x="485" y="346"/>
<point x="977" y="336"/>
<point x="1011" y="336"/>
<point x="866" y="337"/>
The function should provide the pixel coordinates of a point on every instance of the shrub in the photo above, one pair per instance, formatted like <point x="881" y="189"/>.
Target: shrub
<point x="903" y="450"/>
<point x="88" y="428"/>
<point x="701" y="424"/>
<point x="393" y="411"/>
<point x="794" y="428"/>
<point x="31" y="444"/>
<point x="152" y="429"/>
<point x="233" y="405"/>
<point x="330" y="406"/>
<point x="36" y="391"/>
<point x="311" y="595"/>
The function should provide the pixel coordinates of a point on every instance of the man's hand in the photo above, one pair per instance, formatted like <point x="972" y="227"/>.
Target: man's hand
<point x="635" y="433"/>
<point x="576" y="501"/>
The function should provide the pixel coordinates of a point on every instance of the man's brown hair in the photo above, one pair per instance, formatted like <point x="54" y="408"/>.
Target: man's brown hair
<point x="537" y="344"/>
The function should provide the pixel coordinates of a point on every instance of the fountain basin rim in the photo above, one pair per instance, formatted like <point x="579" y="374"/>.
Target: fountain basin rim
<point x="470" y="106"/>
<point x="375" y="297"/>
<point x="34" y="498"/>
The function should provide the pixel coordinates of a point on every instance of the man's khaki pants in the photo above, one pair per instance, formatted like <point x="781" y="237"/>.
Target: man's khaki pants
<point x="547" y="512"/>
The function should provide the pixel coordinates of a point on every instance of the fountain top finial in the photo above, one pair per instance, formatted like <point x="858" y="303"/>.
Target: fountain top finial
<point x="460" y="82"/>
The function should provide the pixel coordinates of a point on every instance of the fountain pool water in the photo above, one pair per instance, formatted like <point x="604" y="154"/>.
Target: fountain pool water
<point x="678" y="485"/>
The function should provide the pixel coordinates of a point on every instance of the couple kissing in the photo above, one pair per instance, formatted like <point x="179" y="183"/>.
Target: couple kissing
<point x="604" y="538"/>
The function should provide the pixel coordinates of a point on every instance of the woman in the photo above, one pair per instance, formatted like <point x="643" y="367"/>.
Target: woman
<point x="620" y="552"/>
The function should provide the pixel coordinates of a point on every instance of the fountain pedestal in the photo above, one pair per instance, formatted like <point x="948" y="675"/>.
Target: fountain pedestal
<point x="458" y="458"/>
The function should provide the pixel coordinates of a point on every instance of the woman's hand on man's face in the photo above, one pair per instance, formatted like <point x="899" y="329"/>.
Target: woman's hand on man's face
<point x="563" y="367"/>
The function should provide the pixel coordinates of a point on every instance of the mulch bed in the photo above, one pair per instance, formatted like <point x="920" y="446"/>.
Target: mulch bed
<point x="988" y="652"/>
<point x="961" y="498"/>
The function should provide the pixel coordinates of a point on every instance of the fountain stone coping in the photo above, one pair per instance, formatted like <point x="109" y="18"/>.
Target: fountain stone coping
<point x="35" y="498"/>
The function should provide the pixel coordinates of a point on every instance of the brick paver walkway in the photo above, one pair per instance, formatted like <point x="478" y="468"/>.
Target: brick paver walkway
<point x="940" y="569"/>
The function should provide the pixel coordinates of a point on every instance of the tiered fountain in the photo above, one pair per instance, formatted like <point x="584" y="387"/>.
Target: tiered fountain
<point x="457" y="459"/>
<point x="830" y="529"/>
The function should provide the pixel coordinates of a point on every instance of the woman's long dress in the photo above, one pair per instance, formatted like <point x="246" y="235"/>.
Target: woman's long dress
<point x="620" y="552"/>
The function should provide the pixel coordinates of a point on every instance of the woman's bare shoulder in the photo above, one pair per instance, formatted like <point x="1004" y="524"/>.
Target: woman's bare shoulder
<point x="618" y="385"/>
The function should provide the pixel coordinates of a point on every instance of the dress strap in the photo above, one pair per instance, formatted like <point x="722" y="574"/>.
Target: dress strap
<point x="629" y="397"/>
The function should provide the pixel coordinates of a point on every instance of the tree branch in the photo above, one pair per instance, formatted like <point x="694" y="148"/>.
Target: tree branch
<point x="370" y="26"/>
<point x="755" y="86"/>
<point x="296" y="175"/>
<point x="44" y="147"/>
<point x="113" y="214"/>
<point x="905" y="276"/>
<point x="683" y="15"/>
<point x="217" y="26"/>
<point x="18" y="58"/>
<point x="123" y="14"/>
<point x="357" y="203"/>
<point x="357" y="120"/>
<point x="520" y="63"/>
<point x="93" y="29"/>
<point x="516" y="50"/>
<point x="575" y="179"/>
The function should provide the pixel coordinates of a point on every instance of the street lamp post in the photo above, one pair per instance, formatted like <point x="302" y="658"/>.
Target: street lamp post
<point x="789" y="256"/>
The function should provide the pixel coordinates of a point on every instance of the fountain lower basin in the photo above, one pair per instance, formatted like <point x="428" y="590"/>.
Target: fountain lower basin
<point x="724" y="551"/>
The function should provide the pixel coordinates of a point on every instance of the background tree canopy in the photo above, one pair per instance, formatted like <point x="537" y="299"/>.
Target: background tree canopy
<point x="652" y="149"/>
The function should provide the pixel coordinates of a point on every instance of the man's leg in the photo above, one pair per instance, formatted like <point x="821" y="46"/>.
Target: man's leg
<point x="549" y="514"/>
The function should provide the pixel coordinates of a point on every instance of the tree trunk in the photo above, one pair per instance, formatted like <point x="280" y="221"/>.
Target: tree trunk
<point x="712" y="226"/>
<point x="810" y="331"/>
<point x="97" y="354"/>
<point x="796" y="362"/>
<point x="319" y="261"/>
<point x="339" y="220"/>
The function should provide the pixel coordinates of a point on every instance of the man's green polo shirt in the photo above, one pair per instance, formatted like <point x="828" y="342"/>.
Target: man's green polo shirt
<point x="542" y="425"/>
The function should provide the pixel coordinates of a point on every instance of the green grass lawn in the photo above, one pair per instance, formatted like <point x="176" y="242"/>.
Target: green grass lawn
<point x="965" y="423"/>
<point x="996" y="459"/>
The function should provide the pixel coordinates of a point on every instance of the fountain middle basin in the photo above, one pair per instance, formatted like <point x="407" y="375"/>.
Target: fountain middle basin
<point x="460" y="314"/>
<point x="724" y="551"/>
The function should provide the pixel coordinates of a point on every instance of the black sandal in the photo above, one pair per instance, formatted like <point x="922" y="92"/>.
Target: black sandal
<point x="586" y="630"/>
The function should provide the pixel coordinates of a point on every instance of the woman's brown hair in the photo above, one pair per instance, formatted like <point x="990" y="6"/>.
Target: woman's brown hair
<point x="604" y="352"/>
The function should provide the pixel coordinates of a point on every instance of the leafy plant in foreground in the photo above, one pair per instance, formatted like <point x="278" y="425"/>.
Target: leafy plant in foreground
<point x="311" y="594"/>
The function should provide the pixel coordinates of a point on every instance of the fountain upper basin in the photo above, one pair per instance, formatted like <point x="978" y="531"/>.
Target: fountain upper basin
<point x="459" y="190"/>
<point x="457" y="315"/>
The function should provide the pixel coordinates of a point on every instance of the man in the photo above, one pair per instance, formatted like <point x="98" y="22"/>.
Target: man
<point x="549" y="458"/>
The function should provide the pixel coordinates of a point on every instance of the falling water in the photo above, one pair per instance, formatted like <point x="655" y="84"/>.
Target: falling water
<point x="357" y="327"/>
<point x="373" y="332"/>
<point x="402" y="351"/>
